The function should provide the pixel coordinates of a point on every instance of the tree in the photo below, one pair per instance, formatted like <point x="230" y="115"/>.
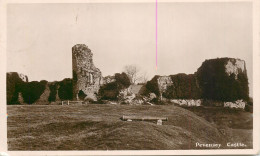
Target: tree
<point x="133" y="73"/>
<point x="143" y="78"/>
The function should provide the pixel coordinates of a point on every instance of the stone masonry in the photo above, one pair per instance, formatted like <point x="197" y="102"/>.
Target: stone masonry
<point x="86" y="77"/>
<point x="235" y="66"/>
<point x="163" y="83"/>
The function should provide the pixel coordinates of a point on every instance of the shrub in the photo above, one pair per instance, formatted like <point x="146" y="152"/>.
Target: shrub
<point x="109" y="91"/>
<point x="122" y="80"/>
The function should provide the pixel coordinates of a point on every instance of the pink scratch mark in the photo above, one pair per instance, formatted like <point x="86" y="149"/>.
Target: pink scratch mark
<point x="156" y="31"/>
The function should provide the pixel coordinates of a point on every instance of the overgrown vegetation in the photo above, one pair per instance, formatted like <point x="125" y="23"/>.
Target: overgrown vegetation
<point x="217" y="85"/>
<point x="152" y="86"/>
<point x="184" y="87"/>
<point x="31" y="91"/>
<point x="53" y="91"/>
<point x="13" y="81"/>
<point x="210" y="82"/>
<point x="111" y="90"/>
<point x="65" y="89"/>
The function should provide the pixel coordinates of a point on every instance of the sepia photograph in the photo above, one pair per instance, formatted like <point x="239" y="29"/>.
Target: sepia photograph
<point x="120" y="76"/>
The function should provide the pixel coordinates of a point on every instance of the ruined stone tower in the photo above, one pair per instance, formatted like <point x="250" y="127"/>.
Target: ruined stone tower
<point x="86" y="77"/>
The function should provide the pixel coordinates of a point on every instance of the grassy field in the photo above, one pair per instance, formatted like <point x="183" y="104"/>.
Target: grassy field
<point x="98" y="127"/>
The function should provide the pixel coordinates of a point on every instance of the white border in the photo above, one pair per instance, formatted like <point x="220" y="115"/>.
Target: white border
<point x="256" y="78"/>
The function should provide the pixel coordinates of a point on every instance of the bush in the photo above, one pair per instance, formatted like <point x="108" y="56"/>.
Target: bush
<point x="122" y="80"/>
<point x="109" y="91"/>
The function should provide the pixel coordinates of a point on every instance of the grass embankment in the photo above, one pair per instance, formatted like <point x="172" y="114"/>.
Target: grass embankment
<point x="98" y="127"/>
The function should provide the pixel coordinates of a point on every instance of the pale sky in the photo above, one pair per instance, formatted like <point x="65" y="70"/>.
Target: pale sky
<point x="40" y="36"/>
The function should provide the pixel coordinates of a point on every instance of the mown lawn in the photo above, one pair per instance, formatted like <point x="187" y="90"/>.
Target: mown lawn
<point x="98" y="127"/>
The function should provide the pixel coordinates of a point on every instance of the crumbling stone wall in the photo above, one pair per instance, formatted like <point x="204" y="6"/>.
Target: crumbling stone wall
<point x="86" y="76"/>
<point x="186" y="102"/>
<point x="164" y="82"/>
<point x="235" y="66"/>
<point x="179" y="86"/>
<point x="23" y="77"/>
<point x="221" y="79"/>
<point x="237" y="104"/>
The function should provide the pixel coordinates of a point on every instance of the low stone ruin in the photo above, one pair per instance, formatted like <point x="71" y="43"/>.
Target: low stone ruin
<point x="163" y="83"/>
<point x="126" y="96"/>
<point x="187" y="102"/>
<point x="237" y="104"/>
<point x="235" y="66"/>
<point x="23" y="77"/>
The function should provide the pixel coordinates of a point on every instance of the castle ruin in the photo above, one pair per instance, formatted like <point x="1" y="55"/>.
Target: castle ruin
<point x="86" y="77"/>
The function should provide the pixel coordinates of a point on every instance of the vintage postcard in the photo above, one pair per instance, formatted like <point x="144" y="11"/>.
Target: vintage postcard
<point x="154" y="77"/>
